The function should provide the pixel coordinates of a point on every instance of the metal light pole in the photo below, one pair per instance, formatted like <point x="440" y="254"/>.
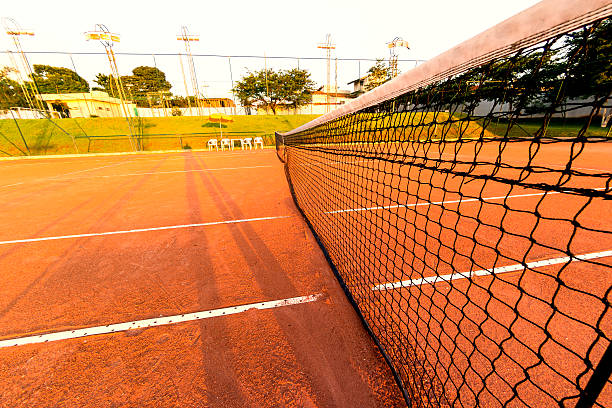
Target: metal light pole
<point x="397" y="42"/>
<point x="23" y="67"/>
<point x="328" y="46"/>
<point x="107" y="39"/>
<point x="187" y="39"/>
<point x="229" y="61"/>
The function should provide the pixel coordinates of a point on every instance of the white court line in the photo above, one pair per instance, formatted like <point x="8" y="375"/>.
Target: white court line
<point x="94" y="234"/>
<point x="332" y="162"/>
<point x="245" y="153"/>
<point x="160" y="321"/>
<point x="105" y="158"/>
<point x="67" y="174"/>
<point x="11" y="164"/>
<point x="165" y="172"/>
<point x="502" y="269"/>
<point x="387" y="207"/>
<point x="61" y="176"/>
<point x="578" y="168"/>
<point x="169" y="227"/>
<point x="465" y="200"/>
<point x="469" y="159"/>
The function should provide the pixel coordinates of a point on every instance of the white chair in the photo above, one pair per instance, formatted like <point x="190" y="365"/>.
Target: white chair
<point x="247" y="142"/>
<point x="213" y="143"/>
<point x="258" y="141"/>
<point x="226" y="142"/>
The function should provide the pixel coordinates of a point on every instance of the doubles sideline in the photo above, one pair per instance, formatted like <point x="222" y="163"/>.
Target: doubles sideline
<point x="159" y="321"/>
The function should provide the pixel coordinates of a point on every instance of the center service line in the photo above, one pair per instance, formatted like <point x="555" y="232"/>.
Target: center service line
<point x="159" y="321"/>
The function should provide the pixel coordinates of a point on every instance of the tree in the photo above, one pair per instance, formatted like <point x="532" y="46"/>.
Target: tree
<point x="144" y="82"/>
<point x="182" y="101"/>
<point x="271" y="89"/>
<point x="298" y="87"/>
<point x="50" y="80"/>
<point x="105" y="84"/>
<point x="589" y="55"/>
<point x="378" y="74"/>
<point x="11" y="94"/>
<point x="538" y="81"/>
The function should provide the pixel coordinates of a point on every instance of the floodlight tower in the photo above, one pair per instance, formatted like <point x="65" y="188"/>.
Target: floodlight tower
<point x="328" y="46"/>
<point x="187" y="38"/>
<point x="23" y="68"/>
<point x="107" y="39"/>
<point x="393" y="45"/>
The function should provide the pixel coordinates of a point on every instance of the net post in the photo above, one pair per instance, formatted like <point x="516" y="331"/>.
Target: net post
<point x="279" y="140"/>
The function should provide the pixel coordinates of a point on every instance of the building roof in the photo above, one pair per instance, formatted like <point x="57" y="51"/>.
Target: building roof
<point x="338" y="93"/>
<point x="363" y="78"/>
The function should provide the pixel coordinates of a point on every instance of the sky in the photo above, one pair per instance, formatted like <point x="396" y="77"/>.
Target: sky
<point x="359" y="29"/>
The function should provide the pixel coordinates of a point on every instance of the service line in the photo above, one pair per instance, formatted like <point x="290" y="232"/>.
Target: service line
<point x="164" y="172"/>
<point x="168" y="227"/>
<point x="204" y="224"/>
<point x="465" y="200"/>
<point x="68" y="174"/>
<point x="462" y="200"/>
<point x="159" y="321"/>
<point x="431" y="280"/>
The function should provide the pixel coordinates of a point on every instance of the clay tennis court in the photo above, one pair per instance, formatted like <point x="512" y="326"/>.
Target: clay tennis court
<point x="244" y="309"/>
<point x="462" y="208"/>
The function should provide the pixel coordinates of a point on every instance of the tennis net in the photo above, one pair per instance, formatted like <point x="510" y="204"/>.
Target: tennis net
<point x="465" y="209"/>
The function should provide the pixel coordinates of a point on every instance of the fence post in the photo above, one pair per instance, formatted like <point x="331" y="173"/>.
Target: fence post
<point x="19" y="129"/>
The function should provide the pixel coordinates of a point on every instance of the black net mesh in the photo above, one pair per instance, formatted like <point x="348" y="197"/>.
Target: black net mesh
<point x="469" y="221"/>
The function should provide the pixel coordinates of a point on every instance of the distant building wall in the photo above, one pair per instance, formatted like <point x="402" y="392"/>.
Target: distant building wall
<point x="575" y="111"/>
<point x="359" y="85"/>
<point x="87" y="104"/>
<point x="25" y="113"/>
<point x="319" y="105"/>
<point x="218" y="103"/>
<point x="161" y="112"/>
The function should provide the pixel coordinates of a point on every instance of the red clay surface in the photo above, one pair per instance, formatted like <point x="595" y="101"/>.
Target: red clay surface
<point x="513" y="339"/>
<point x="306" y="355"/>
